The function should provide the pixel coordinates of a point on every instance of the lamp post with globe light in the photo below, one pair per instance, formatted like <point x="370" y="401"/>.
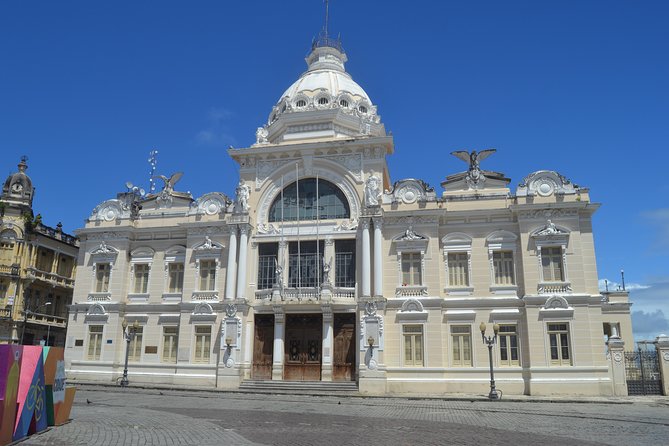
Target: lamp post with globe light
<point x="128" y="334"/>
<point x="490" y="341"/>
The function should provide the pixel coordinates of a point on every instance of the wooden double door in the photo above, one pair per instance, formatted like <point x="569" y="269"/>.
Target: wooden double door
<point x="302" y="347"/>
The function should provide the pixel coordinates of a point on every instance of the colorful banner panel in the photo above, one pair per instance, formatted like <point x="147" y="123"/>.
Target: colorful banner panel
<point x="33" y="394"/>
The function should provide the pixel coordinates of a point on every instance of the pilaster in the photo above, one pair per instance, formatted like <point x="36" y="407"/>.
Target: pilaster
<point x="662" y="348"/>
<point x="366" y="266"/>
<point x="617" y="364"/>
<point x="232" y="265"/>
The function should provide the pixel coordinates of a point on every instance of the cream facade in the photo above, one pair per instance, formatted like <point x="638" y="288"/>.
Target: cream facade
<point x="324" y="269"/>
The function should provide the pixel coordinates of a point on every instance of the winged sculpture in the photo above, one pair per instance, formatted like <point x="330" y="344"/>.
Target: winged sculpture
<point x="474" y="158"/>
<point x="171" y="181"/>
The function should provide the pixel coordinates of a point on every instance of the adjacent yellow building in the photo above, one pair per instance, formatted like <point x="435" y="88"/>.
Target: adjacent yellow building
<point x="37" y="268"/>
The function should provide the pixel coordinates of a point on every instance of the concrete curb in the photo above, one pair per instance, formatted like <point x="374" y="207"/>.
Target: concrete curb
<point x="450" y="397"/>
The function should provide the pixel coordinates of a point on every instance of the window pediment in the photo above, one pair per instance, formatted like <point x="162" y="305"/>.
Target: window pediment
<point x="550" y="234"/>
<point x="208" y="247"/>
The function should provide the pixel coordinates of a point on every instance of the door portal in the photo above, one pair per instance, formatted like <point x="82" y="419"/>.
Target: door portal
<point x="263" y="347"/>
<point x="303" y="347"/>
<point x="343" y="362"/>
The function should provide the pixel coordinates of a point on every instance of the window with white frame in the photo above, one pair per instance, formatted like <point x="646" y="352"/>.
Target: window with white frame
<point x="170" y="343"/>
<point x="413" y="345"/>
<point x="503" y="268"/>
<point x="558" y="338"/>
<point x="551" y="264"/>
<point x="551" y="246"/>
<point x="461" y="339"/>
<point x="208" y="275"/>
<point x="502" y="254"/>
<point x="103" y="258"/>
<point x="102" y="274"/>
<point x="175" y="258"/>
<point x="141" y="278"/>
<point x="457" y="257"/>
<point x="411" y="248"/>
<point x="175" y="278"/>
<point x="412" y="273"/>
<point x="202" y="343"/>
<point x="94" y="342"/>
<point x="135" y="347"/>
<point x="458" y="269"/>
<point x="140" y="268"/>
<point x="508" y="345"/>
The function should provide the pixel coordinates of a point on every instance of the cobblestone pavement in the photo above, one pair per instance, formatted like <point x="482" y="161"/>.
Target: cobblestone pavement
<point x="161" y="417"/>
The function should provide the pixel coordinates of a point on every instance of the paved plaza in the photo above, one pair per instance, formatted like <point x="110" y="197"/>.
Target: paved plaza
<point x="131" y="416"/>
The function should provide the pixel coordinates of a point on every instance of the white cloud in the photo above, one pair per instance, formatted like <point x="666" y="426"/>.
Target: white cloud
<point x="648" y="325"/>
<point x="614" y="286"/>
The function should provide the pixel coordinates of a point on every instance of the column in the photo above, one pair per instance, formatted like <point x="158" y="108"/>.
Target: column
<point x="366" y="266"/>
<point x="232" y="264"/>
<point x="328" y="344"/>
<point x="241" y="272"/>
<point x="277" y="357"/>
<point x="378" y="259"/>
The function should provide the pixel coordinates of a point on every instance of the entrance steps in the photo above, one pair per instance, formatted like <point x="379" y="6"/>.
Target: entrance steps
<point x="301" y="387"/>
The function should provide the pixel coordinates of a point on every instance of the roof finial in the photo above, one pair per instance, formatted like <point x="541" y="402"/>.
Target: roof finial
<point x="22" y="165"/>
<point x="327" y="10"/>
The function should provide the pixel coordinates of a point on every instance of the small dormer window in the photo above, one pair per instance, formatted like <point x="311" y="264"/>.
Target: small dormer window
<point x="323" y="101"/>
<point x="273" y="117"/>
<point x="362" y="109"/>
<point x="301" y="103"/>
<point x="343" y="103"/>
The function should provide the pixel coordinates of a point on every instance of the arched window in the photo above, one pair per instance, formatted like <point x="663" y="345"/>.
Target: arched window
<point x="331" y="202"/>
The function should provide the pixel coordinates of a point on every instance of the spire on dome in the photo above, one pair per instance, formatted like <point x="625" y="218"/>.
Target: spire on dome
<point x="324" y="39"/>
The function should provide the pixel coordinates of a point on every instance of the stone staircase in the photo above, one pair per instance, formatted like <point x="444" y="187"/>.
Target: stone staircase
<point x="347" y="388"/>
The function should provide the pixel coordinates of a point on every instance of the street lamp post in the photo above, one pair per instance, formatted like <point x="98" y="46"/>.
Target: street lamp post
<point x="490" y="341"/>
<point x="25" y="316"/>
<point x="128" y="335"/>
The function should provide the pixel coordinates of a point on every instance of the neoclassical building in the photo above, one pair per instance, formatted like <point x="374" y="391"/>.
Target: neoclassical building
<point x="321" y="268"/>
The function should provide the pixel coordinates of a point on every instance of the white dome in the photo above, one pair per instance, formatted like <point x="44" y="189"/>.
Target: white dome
<point x="334" y="82"/>
<point x="324" y="102"/>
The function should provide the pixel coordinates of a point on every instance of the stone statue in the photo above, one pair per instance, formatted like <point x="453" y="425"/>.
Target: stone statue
<point x="278" y="273"/>
<point x="208" y="244"/>
<point x="474" y="175"/>
<point x="372" y="191"/>
<point x="243" y="192"/>
<point x="171" y="181"/>
<point x="409" y="234"/>
<point x="261" y="135"/>
<point x="326" y="271"/>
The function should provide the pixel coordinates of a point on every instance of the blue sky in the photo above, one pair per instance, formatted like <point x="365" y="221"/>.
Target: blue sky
<point x="87" y="89"/>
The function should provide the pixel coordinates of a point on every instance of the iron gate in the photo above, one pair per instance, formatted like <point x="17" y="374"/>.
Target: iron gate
<point x="642" y="371"/>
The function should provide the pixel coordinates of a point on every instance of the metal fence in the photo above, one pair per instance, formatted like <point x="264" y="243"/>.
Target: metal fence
<point x="642" y="370"/>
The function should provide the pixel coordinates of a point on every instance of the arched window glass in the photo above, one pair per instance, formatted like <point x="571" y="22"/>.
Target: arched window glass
<point x="331" y="202"/>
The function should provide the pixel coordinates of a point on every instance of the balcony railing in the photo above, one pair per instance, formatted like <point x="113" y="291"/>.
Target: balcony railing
<point x="554" y="288"/>
<point x="46" y="319"/>
<point x="99" y="297"/>
<point x="205" y="296"/>
<point x="51" y="278"/>
<point x="411" y="291"/>
<point x="307" y="293"/>
<point x="5" y="313"/>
